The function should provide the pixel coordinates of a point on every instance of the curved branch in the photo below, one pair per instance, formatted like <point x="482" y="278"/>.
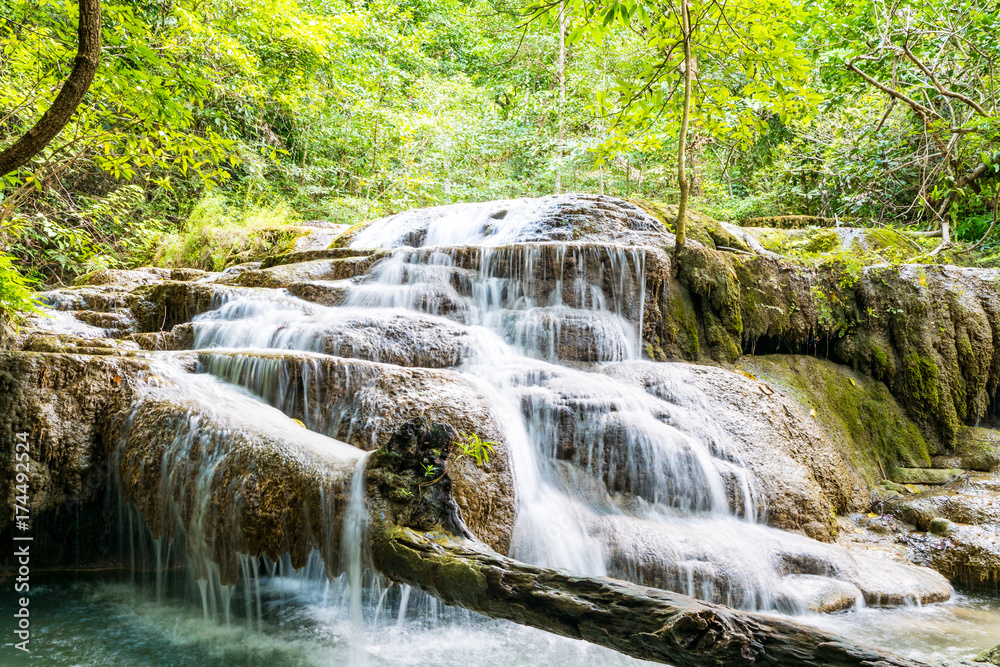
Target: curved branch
<point x="891" y="92"/>
<point x="69" y="97"/>
<point x="941" y="89"/>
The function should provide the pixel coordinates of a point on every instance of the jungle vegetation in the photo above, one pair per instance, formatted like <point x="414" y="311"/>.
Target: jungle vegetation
<point x="208" y="115"/>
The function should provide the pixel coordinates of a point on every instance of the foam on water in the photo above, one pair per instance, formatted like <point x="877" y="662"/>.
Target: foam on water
<point x="637" y="482"/>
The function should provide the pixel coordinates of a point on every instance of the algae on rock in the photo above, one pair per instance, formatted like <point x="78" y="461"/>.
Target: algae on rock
<point x="859" y="414"/>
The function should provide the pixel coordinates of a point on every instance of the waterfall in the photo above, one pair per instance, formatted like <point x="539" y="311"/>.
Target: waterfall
<point x="516" y="325"/>
<point x="613" y="477"/>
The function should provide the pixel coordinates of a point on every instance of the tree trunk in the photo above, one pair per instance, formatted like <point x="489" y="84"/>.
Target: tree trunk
<point x="682" y="181"/>
<point x="561" y="73"/>
<point x="69" y="97"/>
<point x="642" y="622"/>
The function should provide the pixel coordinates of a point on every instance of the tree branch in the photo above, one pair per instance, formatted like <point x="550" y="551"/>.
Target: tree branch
<point x="941" y="89"/>
<point x="69" y="97"/>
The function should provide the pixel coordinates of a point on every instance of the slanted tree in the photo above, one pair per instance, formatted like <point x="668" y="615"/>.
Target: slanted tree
<point x="720" y="69"/>
<point x="561" y="74"/>
<point x="75" y="87"/>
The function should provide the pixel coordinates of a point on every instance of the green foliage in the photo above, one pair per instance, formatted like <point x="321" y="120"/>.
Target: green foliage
<point x="471" y="445"/>
<point x="749" y="68"/>
<point x="217" y="235"/>
<point x="15" y="294"/>
<point x="347" y="111"/>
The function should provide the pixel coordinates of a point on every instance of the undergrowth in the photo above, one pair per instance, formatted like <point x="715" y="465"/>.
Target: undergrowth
<point x="217" y="235"/>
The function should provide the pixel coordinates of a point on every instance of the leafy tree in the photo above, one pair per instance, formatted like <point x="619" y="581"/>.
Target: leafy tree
<point x="716" y="69"/>
<point x="932" y="58"/>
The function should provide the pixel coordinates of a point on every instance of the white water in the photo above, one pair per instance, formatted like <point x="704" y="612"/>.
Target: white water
<point x="611" y="479"/>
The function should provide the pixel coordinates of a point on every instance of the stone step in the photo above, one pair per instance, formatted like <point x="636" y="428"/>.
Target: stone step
<point x="928" y="476"/>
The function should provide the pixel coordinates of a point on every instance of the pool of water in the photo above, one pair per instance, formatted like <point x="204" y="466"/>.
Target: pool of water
<point x="93" y="620"/>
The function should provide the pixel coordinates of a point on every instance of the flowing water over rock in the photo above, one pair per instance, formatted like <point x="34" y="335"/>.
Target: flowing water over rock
<point x="510" y="321"/>
<point x="619" y="467"/>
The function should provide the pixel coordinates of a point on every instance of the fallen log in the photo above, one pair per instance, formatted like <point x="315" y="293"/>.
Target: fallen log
<point x="417" y="538"/>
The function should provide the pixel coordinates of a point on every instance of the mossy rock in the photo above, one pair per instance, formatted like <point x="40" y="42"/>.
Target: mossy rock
<point x="858" y="413"/>
<point x="940" y="526"/>
<point x="700" y="227"/>
<point x="217" y="248"/>
<point x="789" y="221"/>
<point x="991" y="656"/>
<point x="344" y="239"/>
<point x="979" y="448"/>
<point x="853" y="247"/>
<point x="927" y="476"/>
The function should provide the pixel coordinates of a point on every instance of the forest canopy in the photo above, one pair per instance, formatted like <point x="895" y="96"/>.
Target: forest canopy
<point x="208" y="115"/>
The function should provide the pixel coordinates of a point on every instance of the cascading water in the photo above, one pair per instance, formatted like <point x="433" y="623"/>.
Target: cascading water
<point x="621" y="466"/>
<point x="612" y="478"/>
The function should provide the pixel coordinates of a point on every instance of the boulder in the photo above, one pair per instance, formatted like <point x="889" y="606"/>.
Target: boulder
<point x="979" y="449"/>
<point x="362" y="403"/>
<point x="928" y="476"/>
<point x="570" y="217"/>
<point x="963" y="520"/>
<point x="201" y="459"/>
<point x="823" y="594"/>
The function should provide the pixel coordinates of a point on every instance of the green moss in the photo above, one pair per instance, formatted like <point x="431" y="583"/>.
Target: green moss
<point x="859" y="414"/>
<point x="344" y="239"/>
<point x="874" y="359"/>
<point x="927" y="333"/>
<point x="892" y="244"/>
<point x="700" y="227"/>
<point x="921" y="377"/>
<point x="979" y="448"/>
<point x="715" y="289"/>
<point x="682" y="326"/>
<point x="459" y="575"/>
<point x="823" y="240"/>
<point x="216" y="236"/>
<point x="826" y="247"/>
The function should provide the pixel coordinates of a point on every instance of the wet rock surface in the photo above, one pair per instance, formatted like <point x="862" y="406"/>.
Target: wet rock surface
<point x="576" y="217"/>
<point x="962" y="525"/>
<point x="363" y="403"/>
<point x="204" y="462"/>
<point x="62" y="402"/>
<point x="352" y="343"/>
<point x="825" y="595"/>
<point x="805" y="478"/>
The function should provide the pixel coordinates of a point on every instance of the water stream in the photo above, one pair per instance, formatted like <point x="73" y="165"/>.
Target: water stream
<point x="615" y="477"/>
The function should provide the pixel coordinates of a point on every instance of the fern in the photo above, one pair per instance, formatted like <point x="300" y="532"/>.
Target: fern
<point x="116" y="205"/>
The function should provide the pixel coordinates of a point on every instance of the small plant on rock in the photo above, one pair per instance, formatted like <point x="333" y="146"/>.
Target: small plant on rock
<point x="474" y="447"/>
<point x="469" y="445"/>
